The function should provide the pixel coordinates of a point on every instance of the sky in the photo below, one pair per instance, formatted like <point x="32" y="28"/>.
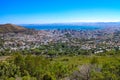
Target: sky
<point x="58" y="11"/>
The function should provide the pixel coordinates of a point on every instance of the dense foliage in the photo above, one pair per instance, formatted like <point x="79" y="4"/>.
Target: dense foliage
<point x="60" y="61"/>
<point x="32" y="67"/>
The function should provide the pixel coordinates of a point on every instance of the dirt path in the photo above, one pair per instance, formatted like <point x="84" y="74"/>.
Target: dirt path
<point x="2" y="58"/>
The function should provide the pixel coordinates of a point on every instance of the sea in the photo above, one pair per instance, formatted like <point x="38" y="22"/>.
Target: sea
<point x="61" y="27"/>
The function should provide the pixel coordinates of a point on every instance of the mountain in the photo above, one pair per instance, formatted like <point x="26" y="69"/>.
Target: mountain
<point x="6" y="28"/>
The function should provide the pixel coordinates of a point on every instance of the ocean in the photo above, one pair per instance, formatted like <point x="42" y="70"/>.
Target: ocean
<point x="61" y="27"/>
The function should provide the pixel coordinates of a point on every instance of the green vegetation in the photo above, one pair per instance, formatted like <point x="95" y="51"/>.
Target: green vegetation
<point x="60" y="62"/>
<point x="55" y="49"/>
<point x="32" y="67"/>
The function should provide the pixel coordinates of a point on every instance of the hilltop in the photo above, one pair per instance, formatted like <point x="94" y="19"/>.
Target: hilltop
<point x="5" y="28"/>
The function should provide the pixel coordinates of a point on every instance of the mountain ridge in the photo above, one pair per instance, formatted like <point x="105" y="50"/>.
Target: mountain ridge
<point x="6" y="28"/>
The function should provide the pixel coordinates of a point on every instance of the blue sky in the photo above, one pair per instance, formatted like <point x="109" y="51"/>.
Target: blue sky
<point x="58" y="11"/>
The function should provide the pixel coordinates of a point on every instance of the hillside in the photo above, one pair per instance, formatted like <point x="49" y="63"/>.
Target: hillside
<point x="11" y="28"/>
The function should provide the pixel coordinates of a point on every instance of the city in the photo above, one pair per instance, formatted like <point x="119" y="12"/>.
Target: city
<point x="98" y="41"/>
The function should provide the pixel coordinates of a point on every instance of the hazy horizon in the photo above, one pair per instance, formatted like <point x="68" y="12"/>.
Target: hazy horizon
<point x="59" y="23"/>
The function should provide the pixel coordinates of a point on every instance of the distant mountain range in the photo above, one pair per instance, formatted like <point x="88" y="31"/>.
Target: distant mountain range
<point x="11" y="28"/>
